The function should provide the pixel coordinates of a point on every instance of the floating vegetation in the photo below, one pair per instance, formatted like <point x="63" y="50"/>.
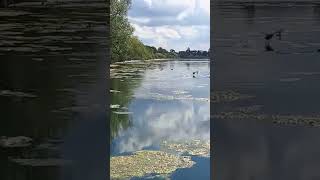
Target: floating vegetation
<point x="180" y="92"/>
<point x="143" y="163"/>
<point x="7" y="13"/>
<point x="74" y="109"/>
<point x="122" y="113"/>
<point x="249" y="109"/>
<point x="16" y="93"/>
<point x="290" y="79"/>
<point x="37" y="59"/>
<point x="12" y="142"/>
<point x="313" y="121"/>
<point x="114" y="91"/>
<point x="227" y="96"/>
<point x="114" y="65"/>
<point x="19" y="49"/>
<point x="190" y="147"/>
<point x="159" y="96"/>
<point x="240" y="115"/>
<point x="41" y="162"/>
<point x="114" y="106"/>
<point x="250" y="113"/>
<point x="131" y="62"/>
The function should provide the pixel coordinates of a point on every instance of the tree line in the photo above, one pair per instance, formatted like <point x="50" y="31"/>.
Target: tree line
<point x="126" y="46"/>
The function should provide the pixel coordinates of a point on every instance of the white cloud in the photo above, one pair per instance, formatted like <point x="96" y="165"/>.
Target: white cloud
<point x="205" y="5"/>
<point x="176" y="24"/>
<point x="148" y="2"/>
<point x="140" y="20"/>
<point x="143" y="32"/>
<point x="188" y="31"/>
<point x="167" y="32"/>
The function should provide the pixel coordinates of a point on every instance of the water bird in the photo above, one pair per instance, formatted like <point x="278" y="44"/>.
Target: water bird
<point x="268" y="47"/>
<point x="193" y="73"/>
<point x="269" y="36"/>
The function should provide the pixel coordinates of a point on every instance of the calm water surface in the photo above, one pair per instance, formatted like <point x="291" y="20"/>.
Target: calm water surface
<point x="52" y="89"/>
<point x="282" y="83"/>
<point x="163" y="101"/>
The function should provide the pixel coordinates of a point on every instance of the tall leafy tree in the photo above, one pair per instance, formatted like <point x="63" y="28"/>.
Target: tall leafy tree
<point x="121" y="30"/>
<point x="125" y="46"/>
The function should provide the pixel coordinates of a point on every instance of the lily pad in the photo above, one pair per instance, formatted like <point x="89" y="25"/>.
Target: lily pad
<point x="142" y="163"/>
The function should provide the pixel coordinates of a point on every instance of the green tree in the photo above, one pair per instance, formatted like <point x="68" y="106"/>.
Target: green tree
<point x="125" y="46"/>
<point x="137" y="50"/>
<point x="121" y="30"/>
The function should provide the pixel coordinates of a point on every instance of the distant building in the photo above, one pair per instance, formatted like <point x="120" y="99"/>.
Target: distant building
<point x="193" y="54"/>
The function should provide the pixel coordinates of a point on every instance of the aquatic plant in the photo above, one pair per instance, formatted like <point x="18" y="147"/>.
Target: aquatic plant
<point x="190" y="147"/>
<point x="251" y="113"/>
<point x="145" y="162"/>
<point x="227" y="96"/>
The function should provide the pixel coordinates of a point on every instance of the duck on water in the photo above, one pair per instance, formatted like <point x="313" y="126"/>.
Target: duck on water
<point x="195" y="72"/>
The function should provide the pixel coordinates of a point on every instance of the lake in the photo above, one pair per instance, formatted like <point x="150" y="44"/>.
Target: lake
<point x="266" y="110"/>
<point x="160" y="107"/>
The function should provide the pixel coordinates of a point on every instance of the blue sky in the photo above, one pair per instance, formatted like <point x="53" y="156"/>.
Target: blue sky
<point x="172" y="24"/>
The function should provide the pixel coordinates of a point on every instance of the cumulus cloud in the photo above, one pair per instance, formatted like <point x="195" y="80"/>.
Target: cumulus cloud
<point x="172" y="24"/>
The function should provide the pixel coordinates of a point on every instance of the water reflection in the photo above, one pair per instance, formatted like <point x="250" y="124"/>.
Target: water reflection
<point x="164" y="103"/>
<point x="157" y="121"/>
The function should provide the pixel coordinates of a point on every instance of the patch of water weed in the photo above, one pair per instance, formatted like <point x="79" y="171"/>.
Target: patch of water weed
<point x="180" y="92"/>
<point x="289" y="79"/>
<point x="16" y="94"/>
<point x="227" y="96"/>
<point x="41" y="162"/>
<point x="114" y="106"/>
<point x="114" y="91"/>
<point x="189" y="147"/>
<point x="122" y="112"/>
<point x="142" y="163"/>
<point x="159" y="96"/>
<point x="251" y="113"/>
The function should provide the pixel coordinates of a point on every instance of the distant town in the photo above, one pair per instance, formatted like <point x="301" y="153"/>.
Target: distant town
<point x="187" y="54"/>
<point x="194" y="54"/>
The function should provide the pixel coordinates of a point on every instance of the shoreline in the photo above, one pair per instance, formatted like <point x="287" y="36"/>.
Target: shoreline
<point x="157" y="60"/>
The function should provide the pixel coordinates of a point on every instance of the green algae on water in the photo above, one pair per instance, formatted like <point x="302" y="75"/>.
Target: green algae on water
<point x="190" y="147"/>
<point x="145" y="162"/>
